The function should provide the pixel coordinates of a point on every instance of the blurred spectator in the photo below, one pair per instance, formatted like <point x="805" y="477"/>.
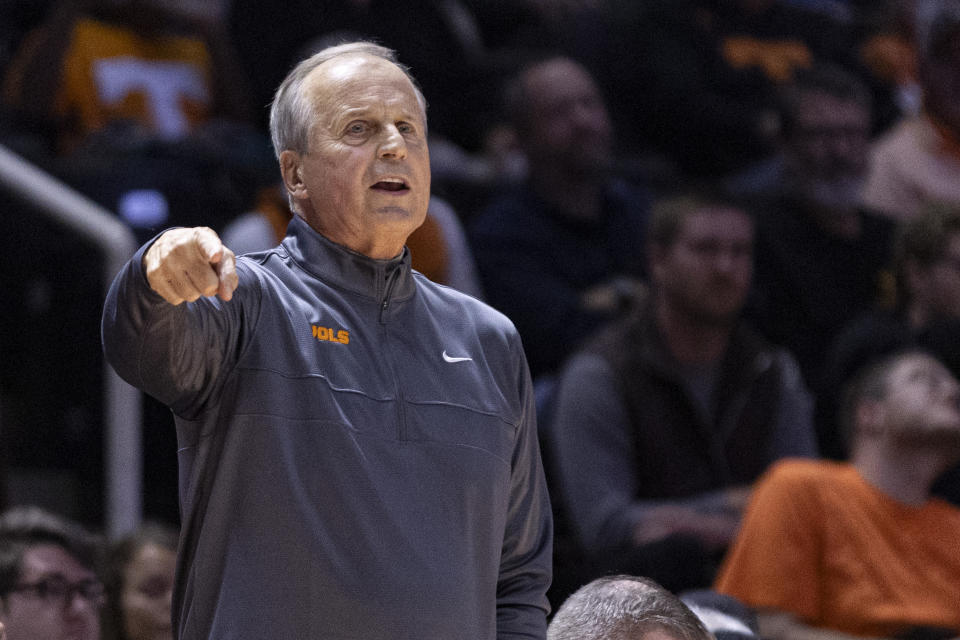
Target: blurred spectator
<point x="861" y="548"/>
<point x="621" y="607"/>
<point x="561" y="253"/>
<point x="696" y="80"/>
<point x="886" y="50"/>
<point x="48" y="581"/>
<point x="821" y="259"/>
<point x="927" y="261"/>
<point x="918" y="162"/>
<point x="139" y="581"/>
<point x="663" y="422"/>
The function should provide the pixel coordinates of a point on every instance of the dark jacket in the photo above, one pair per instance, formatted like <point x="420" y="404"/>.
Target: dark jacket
<point x="358" y="450"/>
<point x="628" y="434"/>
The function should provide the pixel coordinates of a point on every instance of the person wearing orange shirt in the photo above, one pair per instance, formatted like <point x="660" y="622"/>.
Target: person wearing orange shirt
<point x="830" y="549"/>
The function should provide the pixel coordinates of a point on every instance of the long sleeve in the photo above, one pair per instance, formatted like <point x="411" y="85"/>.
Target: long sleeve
<point x="526" y="562"/>
<point x="595" y="454"/>
<point x="175" y="353"/>
<point x="590" y="435"/>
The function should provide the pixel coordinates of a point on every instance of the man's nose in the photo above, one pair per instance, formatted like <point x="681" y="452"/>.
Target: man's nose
<point x="393" y="145"/>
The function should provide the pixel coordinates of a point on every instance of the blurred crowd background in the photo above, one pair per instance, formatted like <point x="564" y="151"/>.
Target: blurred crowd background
<point x="556" y="126"/>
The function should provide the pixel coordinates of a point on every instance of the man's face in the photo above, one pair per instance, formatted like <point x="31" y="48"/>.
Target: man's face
<point x="706" y="272"/>
<point x="364" y="181"/>
<point x="38" y="613"/>
<point x="921" y="404"/>
<point x="567" y="122"/>
<point x="826" y="153"/>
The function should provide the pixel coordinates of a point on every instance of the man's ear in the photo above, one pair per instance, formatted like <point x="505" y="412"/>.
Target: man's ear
<point x="291" y="169"/>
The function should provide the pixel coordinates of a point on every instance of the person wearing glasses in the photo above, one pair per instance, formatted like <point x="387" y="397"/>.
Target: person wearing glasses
<point x="49" y="588"/>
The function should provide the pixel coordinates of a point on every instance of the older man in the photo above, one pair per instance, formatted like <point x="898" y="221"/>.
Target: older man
<point x="358" y="445"/>
<point x="48" y="587"/>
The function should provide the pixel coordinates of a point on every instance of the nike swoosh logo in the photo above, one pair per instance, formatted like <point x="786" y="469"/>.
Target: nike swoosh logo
<point x="447" y="358"/>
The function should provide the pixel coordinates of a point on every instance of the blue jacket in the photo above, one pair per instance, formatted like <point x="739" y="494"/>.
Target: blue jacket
<point x="358" y="451"/>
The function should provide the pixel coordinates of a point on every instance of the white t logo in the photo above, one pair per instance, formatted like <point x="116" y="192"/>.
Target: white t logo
<point x="162" y="82"/>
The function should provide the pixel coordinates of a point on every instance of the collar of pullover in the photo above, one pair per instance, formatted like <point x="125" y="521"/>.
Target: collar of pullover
<point x="338" y="265"/>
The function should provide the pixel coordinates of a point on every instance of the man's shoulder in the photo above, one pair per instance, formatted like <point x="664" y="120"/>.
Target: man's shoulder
<point x="257" y="267"/>
<point x="454" y="305"/>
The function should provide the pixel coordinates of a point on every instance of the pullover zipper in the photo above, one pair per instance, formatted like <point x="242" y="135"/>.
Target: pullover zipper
<point x="390" y="280"/>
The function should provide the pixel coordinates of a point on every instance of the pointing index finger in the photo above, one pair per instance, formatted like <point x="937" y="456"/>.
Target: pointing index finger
<point x="227" y="273"/>
<point x="208" y="242"/>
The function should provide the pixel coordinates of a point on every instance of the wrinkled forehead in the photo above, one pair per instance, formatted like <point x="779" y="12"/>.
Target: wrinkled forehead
<point x="359" y="77"/>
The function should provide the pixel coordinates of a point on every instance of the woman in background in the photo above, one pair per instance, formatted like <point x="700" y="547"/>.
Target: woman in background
<point x="139" y="582"/>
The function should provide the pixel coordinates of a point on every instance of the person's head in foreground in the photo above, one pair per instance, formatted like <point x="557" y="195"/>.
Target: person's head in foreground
<point x="625" y="608"/>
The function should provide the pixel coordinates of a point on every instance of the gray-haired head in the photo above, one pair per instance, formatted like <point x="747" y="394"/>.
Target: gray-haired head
<point x="624" y="608"/>
<point x="291" y="114"/>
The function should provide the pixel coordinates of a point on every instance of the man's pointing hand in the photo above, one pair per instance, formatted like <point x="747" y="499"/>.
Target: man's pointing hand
<point x="184" y="264"/>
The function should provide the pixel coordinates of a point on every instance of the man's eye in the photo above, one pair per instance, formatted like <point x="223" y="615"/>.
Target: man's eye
<point x="356" y="128"/>
<point x="405" y="127"/>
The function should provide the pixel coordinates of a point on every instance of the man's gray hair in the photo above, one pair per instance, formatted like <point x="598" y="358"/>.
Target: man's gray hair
<point x="291" y="114"/>
<point x="624" y="607"/>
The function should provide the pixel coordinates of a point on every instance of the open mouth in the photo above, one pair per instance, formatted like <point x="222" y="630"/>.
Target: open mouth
<point x="394" y="185"/>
